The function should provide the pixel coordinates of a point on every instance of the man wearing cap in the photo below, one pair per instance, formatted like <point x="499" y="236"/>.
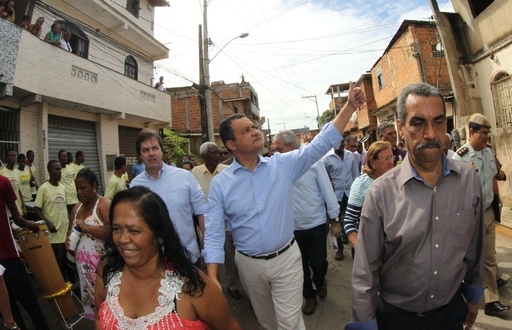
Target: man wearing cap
<point x="481" y="158"/>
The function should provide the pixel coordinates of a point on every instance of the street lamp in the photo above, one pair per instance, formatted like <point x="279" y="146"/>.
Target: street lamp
<point x="206" y="74"/>
<point x="241" y="36"/>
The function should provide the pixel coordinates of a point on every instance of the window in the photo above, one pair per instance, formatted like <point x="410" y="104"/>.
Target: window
<point x="380" y="79"/>
<point x="133" y="6"/>
<point x="79" y="41"/>
<point x="502" y="95"/>
<point x="478" y="6"/>
<point x="437" y="50"/>
<point x="9" y="123"/>
<point x="130" y="67"/>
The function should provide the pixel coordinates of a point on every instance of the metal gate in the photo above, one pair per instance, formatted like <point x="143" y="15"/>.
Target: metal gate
<point x="73" y="135"/>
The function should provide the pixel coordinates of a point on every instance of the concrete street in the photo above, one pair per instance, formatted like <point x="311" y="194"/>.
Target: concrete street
<point x="334" y="311"/>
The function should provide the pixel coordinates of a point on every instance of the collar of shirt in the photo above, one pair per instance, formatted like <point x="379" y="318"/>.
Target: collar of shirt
<point x="164" y="166"/>
<point x="407" y="172"/>
<point x="236" y="165"/>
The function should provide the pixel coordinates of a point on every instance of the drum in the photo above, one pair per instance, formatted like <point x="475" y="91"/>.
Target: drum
<point x="39" y="255"/>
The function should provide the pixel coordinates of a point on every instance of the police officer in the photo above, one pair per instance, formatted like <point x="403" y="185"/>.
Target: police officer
<point x="481" y="158"/>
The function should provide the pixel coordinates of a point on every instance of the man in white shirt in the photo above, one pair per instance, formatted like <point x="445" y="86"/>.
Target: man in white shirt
<point x="311" y="194"/>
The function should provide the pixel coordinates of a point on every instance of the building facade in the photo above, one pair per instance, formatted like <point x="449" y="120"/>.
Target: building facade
<point x="95" y="98"/>
<point x="227" y="99"/>
<point x="414" y="54"/>
<point x="478" y="40"/>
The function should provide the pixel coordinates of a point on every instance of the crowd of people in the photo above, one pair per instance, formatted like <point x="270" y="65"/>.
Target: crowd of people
<point x="54" y="37"/>
<point x="150" y="249"/>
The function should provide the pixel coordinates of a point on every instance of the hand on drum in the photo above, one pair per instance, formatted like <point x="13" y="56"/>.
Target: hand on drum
<point x="32" y="226"/>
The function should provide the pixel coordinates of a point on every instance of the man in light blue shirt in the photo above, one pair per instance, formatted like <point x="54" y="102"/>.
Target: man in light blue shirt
<point x="138" y="167"/>
<point x="177" y="187"/>
<point x="343" y="170"/>
<point x="255" y="195"/>
<point x="311" y="194"/>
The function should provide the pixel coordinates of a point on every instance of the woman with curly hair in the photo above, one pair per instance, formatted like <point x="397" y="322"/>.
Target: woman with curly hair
<point x="146" y="280"/>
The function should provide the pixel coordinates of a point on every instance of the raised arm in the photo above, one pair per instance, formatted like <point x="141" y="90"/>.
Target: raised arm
<point x="356" y="98"/>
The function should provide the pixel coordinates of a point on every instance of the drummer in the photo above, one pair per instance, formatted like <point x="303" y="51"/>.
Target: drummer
<point x="50" y="206"/>
<point x="16" y="278"/>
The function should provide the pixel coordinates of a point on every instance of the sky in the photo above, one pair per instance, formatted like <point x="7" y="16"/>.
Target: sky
<point x="295" y="48"/>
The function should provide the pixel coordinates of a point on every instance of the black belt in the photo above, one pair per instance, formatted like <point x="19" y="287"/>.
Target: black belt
<point x="419" y="314"/>
<point x="429" y="312"/>
<point x="272" y="255"/>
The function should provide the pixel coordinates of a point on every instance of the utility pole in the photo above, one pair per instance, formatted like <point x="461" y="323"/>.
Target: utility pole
<point x="206" y="67"/>
<point x="317" y="111"/>
<point x="202" y="89"/>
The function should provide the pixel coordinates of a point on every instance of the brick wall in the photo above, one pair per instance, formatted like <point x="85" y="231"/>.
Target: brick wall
<point x="226" y="100"/>
<point x="409" y="59"/>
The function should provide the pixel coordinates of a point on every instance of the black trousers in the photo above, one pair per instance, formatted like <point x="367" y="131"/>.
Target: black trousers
<point x="449" y="317"/>
<point x="314" y="254"/>
<point x="20" y="288"/>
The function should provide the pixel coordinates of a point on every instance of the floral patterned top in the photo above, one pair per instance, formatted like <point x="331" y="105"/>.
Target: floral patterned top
<point x="164" y="317"/>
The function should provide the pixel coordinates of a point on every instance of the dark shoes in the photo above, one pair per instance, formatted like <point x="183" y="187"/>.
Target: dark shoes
<point x="501" y="282"/>
<point x="309" y="307"/>
<point x="235" y="294"/>
<point x="339" y="255"/>
<point x="321" y="291"/>
<point x="495" y="308"/>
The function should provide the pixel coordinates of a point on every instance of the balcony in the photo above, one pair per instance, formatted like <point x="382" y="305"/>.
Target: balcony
<point x="117" y="19"/>
<point x="35" y="71"/>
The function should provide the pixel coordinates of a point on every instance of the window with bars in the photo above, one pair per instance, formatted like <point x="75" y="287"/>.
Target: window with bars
<point x="502" y="95"/>
<point x="437" y="50"/>
<point x="9" y="137"/>
<point x="130" y="67"/>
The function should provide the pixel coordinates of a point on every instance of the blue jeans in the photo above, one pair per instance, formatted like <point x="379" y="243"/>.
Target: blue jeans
<point x="20" y="288"/>
<point x="314" y="254"/>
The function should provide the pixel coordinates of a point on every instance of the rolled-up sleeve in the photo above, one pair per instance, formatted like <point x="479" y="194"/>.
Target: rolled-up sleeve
<point x="213" y="252"/>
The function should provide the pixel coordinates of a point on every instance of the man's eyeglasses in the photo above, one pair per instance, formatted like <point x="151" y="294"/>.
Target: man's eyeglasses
<point x="387" y="159"/>
<point x="484" y="133"/>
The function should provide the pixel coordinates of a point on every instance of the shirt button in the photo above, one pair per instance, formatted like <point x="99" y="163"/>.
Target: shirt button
<point x="432" y="296"/>
<point x="435" y="272"/>
<point x="437" y="245"/>
<point x="437" y="218"/>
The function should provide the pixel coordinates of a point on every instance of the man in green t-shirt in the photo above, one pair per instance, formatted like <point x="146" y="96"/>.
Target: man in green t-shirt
<point x="13" y="175"/>
<point x="116" y="182"/>
<point x="50" y="206"/>
<point x="25" y="176"/>
<point x="68" y="181"/>
<point x="78" y="164"/>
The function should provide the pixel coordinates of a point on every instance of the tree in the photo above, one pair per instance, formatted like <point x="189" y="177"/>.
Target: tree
<point x="326" y="117"/>
<point x="174" y="145"/>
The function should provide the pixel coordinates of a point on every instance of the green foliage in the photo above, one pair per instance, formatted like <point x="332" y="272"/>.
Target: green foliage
<point x="326" y="117"/>
<point x="174" y="145"/>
